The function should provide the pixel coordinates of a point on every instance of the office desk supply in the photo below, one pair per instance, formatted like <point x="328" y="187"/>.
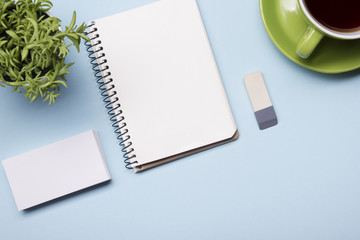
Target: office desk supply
<point x="162" y="82"/>
<point x="56" y="170"/>
<point x="299" y="180"/>
<point x="260" y="100"/>
<point x="285" y="23"/>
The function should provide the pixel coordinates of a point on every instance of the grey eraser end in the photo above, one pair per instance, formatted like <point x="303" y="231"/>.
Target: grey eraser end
<point x="266" y="118"/>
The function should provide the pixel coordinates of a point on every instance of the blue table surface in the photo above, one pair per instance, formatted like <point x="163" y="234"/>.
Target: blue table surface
<point x="298" y="180"/>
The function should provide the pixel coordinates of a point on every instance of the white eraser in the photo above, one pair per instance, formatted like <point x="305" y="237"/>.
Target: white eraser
<point x="260" y="100"/>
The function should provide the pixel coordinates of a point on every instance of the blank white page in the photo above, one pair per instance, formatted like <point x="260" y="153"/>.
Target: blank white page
<point x="166" y="78"/>
<point x="56" y="170"/>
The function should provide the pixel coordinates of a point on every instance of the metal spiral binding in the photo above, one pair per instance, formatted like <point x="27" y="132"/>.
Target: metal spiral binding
<point x="102" y="74"/>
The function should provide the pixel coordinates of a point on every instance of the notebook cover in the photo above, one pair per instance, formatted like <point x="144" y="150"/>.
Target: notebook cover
<point x="157" y="63"/>
<point x="184" y="154"/>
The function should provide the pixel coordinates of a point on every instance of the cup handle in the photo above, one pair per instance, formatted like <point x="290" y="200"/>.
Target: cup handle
<point x="308" y="42"/>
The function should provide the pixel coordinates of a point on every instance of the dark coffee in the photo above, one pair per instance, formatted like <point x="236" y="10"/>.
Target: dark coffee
<point x="339" y="15"/>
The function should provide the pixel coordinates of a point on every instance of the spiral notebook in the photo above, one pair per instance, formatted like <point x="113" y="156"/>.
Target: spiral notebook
<point x="160" y="82"/>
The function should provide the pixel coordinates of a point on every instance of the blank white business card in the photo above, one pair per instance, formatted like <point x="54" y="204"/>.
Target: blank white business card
<point x="56" y="170"/>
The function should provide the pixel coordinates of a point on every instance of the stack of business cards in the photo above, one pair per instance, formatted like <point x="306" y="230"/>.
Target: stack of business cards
<point x="56" y="170"/>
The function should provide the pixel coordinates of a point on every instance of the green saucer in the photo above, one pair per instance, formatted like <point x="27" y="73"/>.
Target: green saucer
<point x="285" y="27"/>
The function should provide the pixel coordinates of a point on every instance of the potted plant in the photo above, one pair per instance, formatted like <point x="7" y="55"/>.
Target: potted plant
<point x="33" y="48"/>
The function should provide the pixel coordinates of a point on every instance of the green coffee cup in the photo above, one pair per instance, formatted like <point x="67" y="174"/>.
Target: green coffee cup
<point x="316" y="31"/>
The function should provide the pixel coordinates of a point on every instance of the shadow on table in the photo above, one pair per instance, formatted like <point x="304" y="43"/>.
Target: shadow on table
<point x="64" y="198"/>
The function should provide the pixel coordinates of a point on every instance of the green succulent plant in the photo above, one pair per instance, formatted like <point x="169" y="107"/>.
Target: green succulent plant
<point x="33" y="48"/>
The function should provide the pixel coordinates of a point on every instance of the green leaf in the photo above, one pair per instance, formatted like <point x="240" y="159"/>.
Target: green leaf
<point x="12" y="73"/>
<point x="45" y="5"/>
<point x="76" y="41"/>
<point x="2" y="43"/>
<point x="33" y="98"/>
<point x="46" y="98"/>
<point x="83" y="36"/>
<point x="73" y="20"/>
<point x="35" y="35"/>
<point x="61" y="82"/>
<point x="24" y="54"/>
<point x="13" y="35"/>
